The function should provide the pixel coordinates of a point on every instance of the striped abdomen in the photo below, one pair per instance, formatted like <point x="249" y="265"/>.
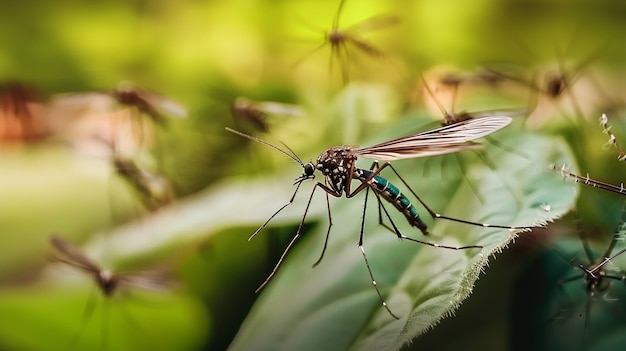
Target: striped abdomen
<point x="393" y="195"/>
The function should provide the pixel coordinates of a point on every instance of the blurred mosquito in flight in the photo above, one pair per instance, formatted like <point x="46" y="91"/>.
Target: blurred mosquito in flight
<point x="338" y="167"/>
<point x="595" y="275"/>
<point x="257" y="112"/>
<point x="450" y="118"/>
<point x="154" y="190"/>
<point x="107" y="281"/>
<point x="340" y="40"/>
<point x="126" y="114"/>
<point x="20" y="114"/>
<point x="555" y="84"/>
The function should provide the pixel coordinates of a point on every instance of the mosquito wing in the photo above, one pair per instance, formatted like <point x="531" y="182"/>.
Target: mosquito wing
<point x="444" y="140"/>
<point x="71" y="255"/>
<point x="373" y="23"/>
<point x="148" y="101"/>
<point x="156" y="281"/>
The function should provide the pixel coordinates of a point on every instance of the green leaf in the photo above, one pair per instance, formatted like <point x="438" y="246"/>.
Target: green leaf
<point x="334" y="306"/>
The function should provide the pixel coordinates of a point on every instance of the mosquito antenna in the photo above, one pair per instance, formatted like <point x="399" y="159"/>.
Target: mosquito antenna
<point x="337" y="15"/>
<point x="291" y="155"/>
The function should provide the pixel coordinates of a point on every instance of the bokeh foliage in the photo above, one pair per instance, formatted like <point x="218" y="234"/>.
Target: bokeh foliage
<point x="203" y="53"/>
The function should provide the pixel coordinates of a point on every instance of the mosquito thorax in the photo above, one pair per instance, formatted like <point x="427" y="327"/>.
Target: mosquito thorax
<point x="335" y="37"/>
<point x="337" y="165"/>
<point x="107" y="282"/>
<point x="556" y="85"/>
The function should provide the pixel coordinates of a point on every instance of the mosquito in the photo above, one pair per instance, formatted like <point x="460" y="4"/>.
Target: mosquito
<point x="450" y="118"/>
<point x="148" y="102"/>
<point x="20" y="114"/>
<point x="108" y="282"/>
<point x="154" y="190"/>
<point x="339" y="39"/>
<point x="257" y="112"/>
<point x="595" y="275"/>
<point x="338" y="167"/>
<point x="555" y="84"/>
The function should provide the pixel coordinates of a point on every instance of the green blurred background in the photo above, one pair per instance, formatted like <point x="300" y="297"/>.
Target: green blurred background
<point x="203" y="54"/>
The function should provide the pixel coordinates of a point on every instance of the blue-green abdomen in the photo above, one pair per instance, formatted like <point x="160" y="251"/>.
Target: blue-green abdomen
<point x="394" y="196"/>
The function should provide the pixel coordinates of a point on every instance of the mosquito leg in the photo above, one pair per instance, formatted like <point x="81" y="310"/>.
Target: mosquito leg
<point x="459" y="160"/>
<point x="402" y="236"/>
<point x="298" y="232"/>
<point x="278" y="211"/>
<point x="436" y="215"/>
<point x="367" y="264"/>
<point x="87" y="313"/>
<point x="330" y="224"/>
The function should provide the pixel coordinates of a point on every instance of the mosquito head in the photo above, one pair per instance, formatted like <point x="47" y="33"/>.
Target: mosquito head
<point x="556" y="84"/>
<point x="308" y="172"/>
<point x="107" y="281"/>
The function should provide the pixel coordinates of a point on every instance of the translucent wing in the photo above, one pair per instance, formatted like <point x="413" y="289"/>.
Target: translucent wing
<point x="72" y="256"/>
<point x="438" y="141"/>
<point x="373" y="23"/>
<point x="156" y="281"/>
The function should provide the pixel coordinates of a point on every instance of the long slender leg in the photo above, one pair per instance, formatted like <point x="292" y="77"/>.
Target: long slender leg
<point x="275" y="213"/>
<point x="461" y="163"/>
<point x="330" y="224"/>
<point x="104" y="331"/>
<point x="432" y="213"/>
<point x="87" y="314"/>
<point x="367" y="264"/>
<point x="298" y="232"/>
<point x="586" y="321"/>
<point x="402" y="236"/>
<point x="436" y="215"/>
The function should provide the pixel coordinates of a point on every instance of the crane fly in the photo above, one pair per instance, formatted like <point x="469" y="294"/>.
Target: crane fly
<point x="338" y="168"/>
